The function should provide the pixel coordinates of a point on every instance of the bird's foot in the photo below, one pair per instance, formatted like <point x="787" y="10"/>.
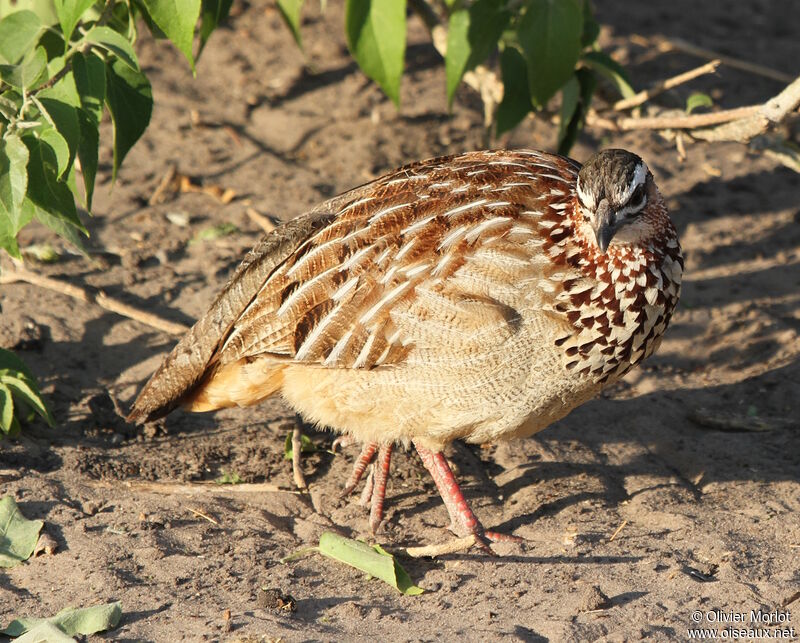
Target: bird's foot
<point x="342" y="442"/>
<point x="375" y="486"/>
<point x="361" y="463"/>
<point x="379" y="486"/>
<point x="463" y="522"/>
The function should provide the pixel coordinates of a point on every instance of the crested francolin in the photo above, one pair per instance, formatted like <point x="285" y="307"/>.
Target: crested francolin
<point x="478" y="297"/>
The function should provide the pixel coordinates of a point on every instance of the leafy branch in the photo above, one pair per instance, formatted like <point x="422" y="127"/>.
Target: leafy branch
<point x="518" y="54"/>
<point x="62" y="67"/>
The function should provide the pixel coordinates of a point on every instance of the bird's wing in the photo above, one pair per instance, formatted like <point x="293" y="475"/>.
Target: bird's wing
<point x="429" y="256"/>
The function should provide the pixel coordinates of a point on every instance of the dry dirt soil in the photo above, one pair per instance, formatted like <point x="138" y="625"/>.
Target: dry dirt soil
<point x="692" y="463"/>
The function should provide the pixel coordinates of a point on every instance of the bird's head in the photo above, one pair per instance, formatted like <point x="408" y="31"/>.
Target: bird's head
<point x="616" y="193"/>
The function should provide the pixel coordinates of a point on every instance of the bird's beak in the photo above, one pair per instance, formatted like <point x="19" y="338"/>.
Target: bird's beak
<point x="604" y="225"/>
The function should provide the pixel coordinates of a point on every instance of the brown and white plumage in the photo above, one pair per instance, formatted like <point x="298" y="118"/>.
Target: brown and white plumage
<point x="480" y="296"/>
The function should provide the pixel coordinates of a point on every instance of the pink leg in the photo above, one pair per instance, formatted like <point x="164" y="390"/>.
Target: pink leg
<point x="379" y="486"/>
<point x="463" y="521"/>
<point x="364" y="458"/>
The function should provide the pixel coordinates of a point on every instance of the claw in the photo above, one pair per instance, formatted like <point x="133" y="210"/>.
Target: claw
<point x="342" y="442"/>
<point x="364" y="458"/>
<point x="379" y="487"/>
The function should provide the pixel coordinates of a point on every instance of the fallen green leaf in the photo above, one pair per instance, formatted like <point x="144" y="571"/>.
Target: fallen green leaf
<point x="41" y="252"/>
<point x="18" y="535"/>
<point x="306" y="446"/>
<point x="698" y="99"/>
<point x="44" y="633"/>
<point x="72" y="621"/>
<point x="229" y="477"/>
<point x="370" y="559"/>
<point x="214" y="232"/>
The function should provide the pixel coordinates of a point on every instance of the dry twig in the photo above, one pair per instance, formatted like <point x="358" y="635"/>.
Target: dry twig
<point x="263" y="222"/>
<point x="199" y="513"/>
<point x="200" y="488"/>
<point x="450" y="547"/>
<point x="665" y="85"/>
<point x="91" y="296"/>
<point x="297" y="467"/>
<point x="619" y="529"/>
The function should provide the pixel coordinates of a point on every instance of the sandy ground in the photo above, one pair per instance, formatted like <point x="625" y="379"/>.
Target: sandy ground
<point x="704" y="517"/>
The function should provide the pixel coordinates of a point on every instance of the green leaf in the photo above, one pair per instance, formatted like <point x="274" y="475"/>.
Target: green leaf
<point x="516" y="103"/>
<point x="213" y="12"/>
<point x="25" y="388"/>
<point x="214" y="232"/>
<point x="50" y="136"/>
<point x="176" y="18"/>
<point x="41" y="252"/>
<point x="698" y="99"/>
<point x="471" y="35"/>
<point x="18" y="535"/>
<point x="290" y="11"/>
<point x="229" y="477"/>
<point x="570" y="97"/>
<point x="606" y="66"/>
<point x="306" y="446"/>
<point x="13" y="185"/>
<point x="44" y="633"/>
<point x="376" y="36"/>
<point x="45" y="190"/>
<point x="6" y="408"/>
<point x="64" y="227"/>
<point x="90" y="81"/>
<point x="73" y="622"/>
<point x="550" y="35"/>
<point x="10" y="362"/>
<point x="110" y="40"/>
<point x="372" y="560"/>
<point x="591" y="28"/>
<point x="88" y="154"/>
<point x="130" y="101"/>
<point x="19" y="32"/>
<point x="69" y="13"/>
<point x="28" y="72"/>
<point x="10" y="103"/>
<point x="568" y="131"/>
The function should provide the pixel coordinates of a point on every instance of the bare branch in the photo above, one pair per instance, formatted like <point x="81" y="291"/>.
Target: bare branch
<point x="690" y="121"/>
<point x="664" y="85"/>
